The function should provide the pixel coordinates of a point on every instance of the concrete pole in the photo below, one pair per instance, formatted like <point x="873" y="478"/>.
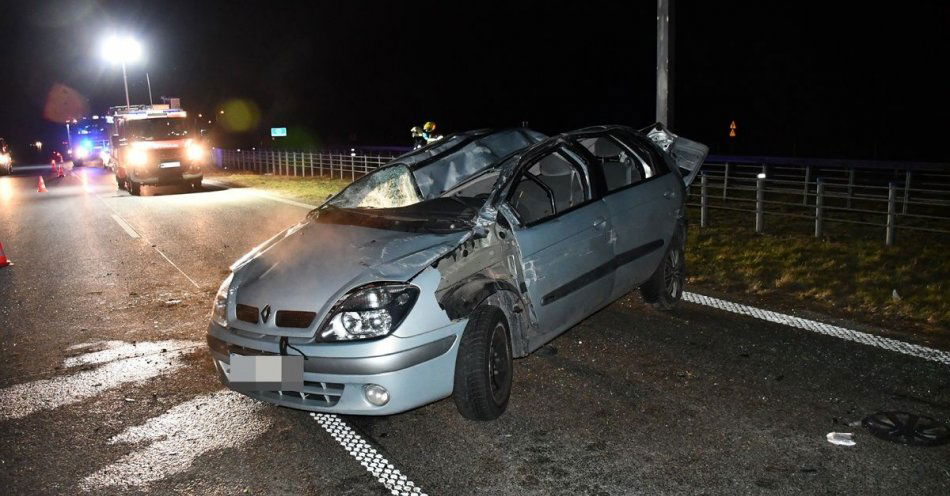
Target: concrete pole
<point x="664" y="58"/>
<point x="125" y="81"/>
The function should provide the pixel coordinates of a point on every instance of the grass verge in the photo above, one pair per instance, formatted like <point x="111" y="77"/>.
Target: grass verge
<point x="313" y="190"/>
<point x="851" y="274"/>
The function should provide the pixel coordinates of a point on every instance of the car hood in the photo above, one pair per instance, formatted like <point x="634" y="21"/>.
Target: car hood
<point x="311" y="265"/>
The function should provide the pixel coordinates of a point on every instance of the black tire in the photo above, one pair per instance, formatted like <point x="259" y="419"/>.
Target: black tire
<point x="135" y="188"/>
<point x="195" y="184"/>
<point x="665" y="287"/>
<point x="121" y="182"/>
<point x="483" y="368"/>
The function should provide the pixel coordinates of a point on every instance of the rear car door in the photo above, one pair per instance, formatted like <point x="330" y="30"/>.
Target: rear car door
<point x="561" y="231"/>
<point x="642" y="197"/>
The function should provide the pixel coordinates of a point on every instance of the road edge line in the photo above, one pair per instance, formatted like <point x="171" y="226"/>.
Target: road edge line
<point x="890" y="344"/>
<point x="375" y="463"/>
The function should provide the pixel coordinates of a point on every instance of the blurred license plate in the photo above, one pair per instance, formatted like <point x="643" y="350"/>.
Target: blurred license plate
<point x="168" y="165"/>
<point x="266" y="373"/>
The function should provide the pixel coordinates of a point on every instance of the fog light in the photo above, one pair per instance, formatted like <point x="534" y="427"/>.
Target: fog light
<point x="376" y="394"/>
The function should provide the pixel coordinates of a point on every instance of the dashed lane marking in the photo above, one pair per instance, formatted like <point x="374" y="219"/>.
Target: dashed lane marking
<point x="125" y="226"/>
<point x="220" y="420"/>
<point x="128" y="228"/>
<point x="822" y="328"/>
<point x="375" y="463"/>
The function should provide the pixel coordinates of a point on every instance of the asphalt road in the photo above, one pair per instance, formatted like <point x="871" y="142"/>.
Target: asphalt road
<point x="106" y="386"/>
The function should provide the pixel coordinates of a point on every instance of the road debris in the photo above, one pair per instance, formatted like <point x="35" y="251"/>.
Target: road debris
<point x="841" y="438"/>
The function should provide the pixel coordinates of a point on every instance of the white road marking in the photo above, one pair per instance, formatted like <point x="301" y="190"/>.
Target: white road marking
<point x="179" y="436"/>
<point x="354" y="444"/>
<point x="120" y="350"/>
<point x="23" y="399"/>
<point x="125" y="225"/>
<point x="822" y="328"/>
<point x="128" y="228"/>
<point x="177" y="267"/>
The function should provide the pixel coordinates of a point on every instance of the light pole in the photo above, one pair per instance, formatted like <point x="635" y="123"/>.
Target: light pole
<point x="122" y="50"/>
<point x="664" y="62"/>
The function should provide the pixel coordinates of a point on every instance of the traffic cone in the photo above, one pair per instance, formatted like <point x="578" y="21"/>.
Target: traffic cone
<point x="52" y="164"/>
<point x="3" y="258"/>
<point x="41" y="186"/>
<point x="61" y="173"/>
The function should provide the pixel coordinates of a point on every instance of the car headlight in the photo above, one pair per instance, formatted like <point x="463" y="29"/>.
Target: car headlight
<point x="80" y="152"/>
<point x="137" y="156"/>
<point x="5" y="159"/>
<point x="195" y="152"/>
<point x="369" y="312"/>
<point x="219" y="310"/>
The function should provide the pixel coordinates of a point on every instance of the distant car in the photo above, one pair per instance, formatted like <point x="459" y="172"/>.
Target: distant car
<point x="6" y="160"/>
<point x="425" y="278"/>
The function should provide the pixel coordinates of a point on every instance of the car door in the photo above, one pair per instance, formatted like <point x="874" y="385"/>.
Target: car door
<point x="561" y="231"/>
<point x="642" y="198"/>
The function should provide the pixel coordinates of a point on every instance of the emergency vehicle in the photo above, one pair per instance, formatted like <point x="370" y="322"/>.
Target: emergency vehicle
<point x="153" y="145"/>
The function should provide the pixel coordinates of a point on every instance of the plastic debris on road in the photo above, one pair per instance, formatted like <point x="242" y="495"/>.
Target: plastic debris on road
<point x="841" y="438"/>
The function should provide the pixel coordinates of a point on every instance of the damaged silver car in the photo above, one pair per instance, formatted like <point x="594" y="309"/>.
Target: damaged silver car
<point x="425" y="279"/>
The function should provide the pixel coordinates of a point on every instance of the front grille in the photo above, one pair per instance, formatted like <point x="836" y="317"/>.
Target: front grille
<point x="246" y="313"/>
<point x="293" y="318"/>
<point x="323" y="394"/>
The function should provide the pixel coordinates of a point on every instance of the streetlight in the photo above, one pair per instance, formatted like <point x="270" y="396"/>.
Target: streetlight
<point x="122" y="50"/>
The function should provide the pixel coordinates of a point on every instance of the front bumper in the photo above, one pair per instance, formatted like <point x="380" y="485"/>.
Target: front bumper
<point x="157" y="176"/>
<point x="416" y="370"/>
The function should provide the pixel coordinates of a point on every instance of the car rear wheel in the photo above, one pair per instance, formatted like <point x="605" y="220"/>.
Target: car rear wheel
<point x="665" y="287"/>
<point x="135" y="188"/>
<point x="483" y="368"/>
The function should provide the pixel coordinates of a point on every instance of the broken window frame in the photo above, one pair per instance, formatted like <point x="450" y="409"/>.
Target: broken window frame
<point x="562" y="148"/>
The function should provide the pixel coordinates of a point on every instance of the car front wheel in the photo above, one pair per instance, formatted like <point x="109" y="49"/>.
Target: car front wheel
<point x="665" y="287"/>
<point x="483" y="369"/>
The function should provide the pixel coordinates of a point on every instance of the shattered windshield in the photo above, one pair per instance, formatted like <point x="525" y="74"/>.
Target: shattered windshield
<point x="390" y="187"/>
<point x="436" y="170"/>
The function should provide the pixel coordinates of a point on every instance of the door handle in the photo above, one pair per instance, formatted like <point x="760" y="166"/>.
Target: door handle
<point x="668" y="195"/>
<point x="600" y="223"/>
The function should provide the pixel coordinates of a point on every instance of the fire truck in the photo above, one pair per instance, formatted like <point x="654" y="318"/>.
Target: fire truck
<point x="153" y="145"/>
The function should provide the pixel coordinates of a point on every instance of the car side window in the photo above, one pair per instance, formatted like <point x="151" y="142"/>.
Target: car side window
<point x="548" y="187"/>
<point x="621" y="165"/>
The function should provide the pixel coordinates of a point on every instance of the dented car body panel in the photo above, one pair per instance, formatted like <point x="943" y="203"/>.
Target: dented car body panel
<point x="376" y="286"/>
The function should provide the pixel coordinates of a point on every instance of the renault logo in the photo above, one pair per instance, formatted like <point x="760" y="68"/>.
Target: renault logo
<point x="265" y="314"/>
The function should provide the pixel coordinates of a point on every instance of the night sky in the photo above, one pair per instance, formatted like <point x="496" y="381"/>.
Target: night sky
<point x="799" y="78"/>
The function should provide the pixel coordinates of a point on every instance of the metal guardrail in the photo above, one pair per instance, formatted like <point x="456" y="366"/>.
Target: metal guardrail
<point x="823" y="201"/>
<point x="299" y="163"/>
<point x="889" y="199"/>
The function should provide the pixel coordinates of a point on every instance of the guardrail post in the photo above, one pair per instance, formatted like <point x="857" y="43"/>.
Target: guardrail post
<point x="702" y="200"/>
<point x="725" y="182"/>
<point x="320" y="158"/>
<point x="850" y="185"/>
<point x="906" y="192"/>
<point x="760" y="204"/>
<point x="805" y="191"/>
<point x="891" y="213"/>
<point x="819" y="207"/>
<point x="352" y="167"/>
